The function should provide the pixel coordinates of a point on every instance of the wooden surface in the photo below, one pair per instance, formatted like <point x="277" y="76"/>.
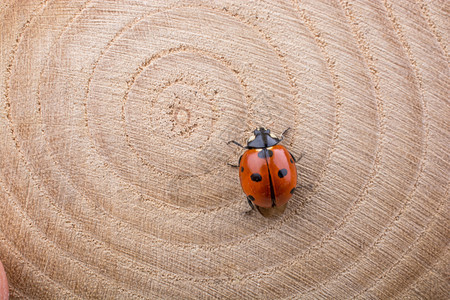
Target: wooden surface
<point x="113" y="164"/>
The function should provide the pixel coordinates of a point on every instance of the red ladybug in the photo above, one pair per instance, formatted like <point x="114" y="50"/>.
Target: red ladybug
<point x="267" y="171"/>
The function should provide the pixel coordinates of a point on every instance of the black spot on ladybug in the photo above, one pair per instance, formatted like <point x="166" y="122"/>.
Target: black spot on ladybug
<point x="251" y="198"/>
<point x="242" y="169"/>
<point x="292" y="191"/>
<point x="256" y="177"/>
<point x="282" y="173"/>
<point x="292" y="161"/>
<point x="262" y="153"/>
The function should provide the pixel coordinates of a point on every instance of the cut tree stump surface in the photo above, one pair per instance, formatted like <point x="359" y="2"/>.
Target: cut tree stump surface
<point x="114" y="118"/>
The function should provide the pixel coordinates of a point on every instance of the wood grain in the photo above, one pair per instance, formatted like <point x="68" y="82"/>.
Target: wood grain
<point x="114" y="117"/>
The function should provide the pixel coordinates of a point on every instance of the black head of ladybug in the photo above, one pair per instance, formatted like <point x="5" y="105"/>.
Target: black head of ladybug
<point x="262" y="138"/>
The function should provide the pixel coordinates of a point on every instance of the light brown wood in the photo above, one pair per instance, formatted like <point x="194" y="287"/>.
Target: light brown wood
<point x="113" y="163"/>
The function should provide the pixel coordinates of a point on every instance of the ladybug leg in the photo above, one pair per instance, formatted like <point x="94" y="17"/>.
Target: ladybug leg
<point x="235" y="166"/>
<point x="252" y="206"/>
<point x="296" y="159"/>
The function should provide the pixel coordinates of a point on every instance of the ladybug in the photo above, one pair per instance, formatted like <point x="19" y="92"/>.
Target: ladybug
<point x="267" y="171"/>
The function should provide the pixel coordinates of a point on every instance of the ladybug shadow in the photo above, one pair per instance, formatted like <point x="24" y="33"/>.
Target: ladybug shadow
<point x="271" y="212"/>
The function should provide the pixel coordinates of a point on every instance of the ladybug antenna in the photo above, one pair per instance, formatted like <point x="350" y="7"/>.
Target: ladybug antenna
<point x="236" y="143"/>
<point x="284" y="132"/>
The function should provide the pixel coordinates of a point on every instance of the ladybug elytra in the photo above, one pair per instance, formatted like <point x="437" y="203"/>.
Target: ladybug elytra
<point x="267" y="171"/>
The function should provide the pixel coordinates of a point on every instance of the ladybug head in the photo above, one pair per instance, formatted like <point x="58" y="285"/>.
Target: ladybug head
<point x="262" y="138"/>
